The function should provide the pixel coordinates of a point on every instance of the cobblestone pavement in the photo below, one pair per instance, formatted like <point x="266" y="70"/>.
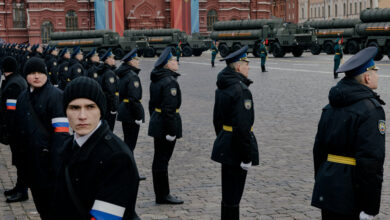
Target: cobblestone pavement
<point x="287" y="100"/>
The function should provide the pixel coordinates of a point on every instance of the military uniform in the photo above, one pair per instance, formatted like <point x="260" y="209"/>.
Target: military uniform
<point x="214" y="52"/>
<point x="337" y="57"/>
<point x="349" y="148"/>
<point x="233" y="123"/>
<point x="42" y="128"/>
<point x="52" y="67"/>
<point x="164" y="104"/>
<point x="102" y="173"/>
<point x="130" y="95"/>
<point x="178" y="52"/>
<point x="263" y="56"/>
<point x="63" y="69"/>
<point x="93" y="67"/>
<point x="76" y="69"/>
<point x="11" y="88"/>
<point x="108" y="81"/>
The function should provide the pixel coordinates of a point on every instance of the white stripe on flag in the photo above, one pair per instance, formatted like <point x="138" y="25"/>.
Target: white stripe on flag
<point x="57" y="120"/>
<point x="108" y="208"/>
<point x="11" y="101"/>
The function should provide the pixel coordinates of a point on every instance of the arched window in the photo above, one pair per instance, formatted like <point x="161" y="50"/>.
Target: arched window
<point x="212" y="17"/>
<point x="328" y="10"/>
<point x="355" y="8"/>
<point x="19" y="15"/>
<point x="46" y="29"/>
<point x="71" y="20"/>
<point x="335" y="11"/>
<point x="345" y="10"/>
<point x="303" y="13"/>
<point x="350" y="8"/>
<point x="360" y="6"/>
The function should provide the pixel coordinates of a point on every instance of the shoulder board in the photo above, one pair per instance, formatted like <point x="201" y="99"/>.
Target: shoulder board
<point x="376" y="103"/>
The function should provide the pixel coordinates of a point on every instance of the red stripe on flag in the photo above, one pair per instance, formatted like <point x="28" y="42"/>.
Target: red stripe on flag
<point x="61" y="129"/>
<point x="11" y="107"/>
<point x="177" y="14"/>
<point x="187" y="16"/>
<point x="119" y="17"/>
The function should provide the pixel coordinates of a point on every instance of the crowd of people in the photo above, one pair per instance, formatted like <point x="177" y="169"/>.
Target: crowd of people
<point x="58" y="110"/>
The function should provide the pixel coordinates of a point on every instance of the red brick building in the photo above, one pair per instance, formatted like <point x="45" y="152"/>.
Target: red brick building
<point x="34" y="20"/>
<point x="286" y="9"/>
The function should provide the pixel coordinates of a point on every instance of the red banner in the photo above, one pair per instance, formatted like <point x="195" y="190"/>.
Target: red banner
<point x="187" y="16"/>
<point x="177" y="14"/>
<point x="119" y="17"/>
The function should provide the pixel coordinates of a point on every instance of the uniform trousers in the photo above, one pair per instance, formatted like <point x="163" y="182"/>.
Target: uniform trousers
<point x="335" y="67"/>
<point x="163" y="150"/>
<point x="42" y="199"/>
<point x="233" y="182"/>
<point x="130" y="133"/>
<point x="110" y="118"/>
<point x="328" y="215"/>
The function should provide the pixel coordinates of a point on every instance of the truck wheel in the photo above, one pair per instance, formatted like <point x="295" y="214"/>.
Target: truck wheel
<point x="140" y="52"/>
<point x="197" y="53"/>
<point x="353" y="47"/>
<point x="379" y="55"/>
<point x="101" y="52"/>
<point x="149" y="52"/>
<point x="297" y="52"/>
<point x="223" y="50"/>
<point x="187" y="51"/>
<point x="236" y="47"/>
<point x="329" y="48"/>
<point x="278" y="51"/>
<point x="315" y="49"/>
<point x="119" y="53"/>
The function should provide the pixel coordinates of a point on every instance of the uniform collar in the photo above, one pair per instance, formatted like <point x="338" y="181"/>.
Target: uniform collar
<point x="82" y="139"/>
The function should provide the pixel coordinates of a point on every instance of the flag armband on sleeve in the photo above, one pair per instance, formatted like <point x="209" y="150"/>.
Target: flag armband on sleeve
<point x="105" y="210"/>
<point x="60" y="124"/>
<point x="11" y="104"/>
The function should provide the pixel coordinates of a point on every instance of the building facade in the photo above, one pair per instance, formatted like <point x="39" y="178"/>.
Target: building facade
<point x="33" y="20"/>
<point x="328" y="9"/>
<point x="285" y="9"/>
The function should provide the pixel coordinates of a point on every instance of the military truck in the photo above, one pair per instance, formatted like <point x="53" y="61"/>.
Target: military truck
<point x="159" y="39"/>
<point x="282" y="37"/>
<point x="372" y="29"/>
<point x="327" y="31"/>
<point x="101" y="39"/>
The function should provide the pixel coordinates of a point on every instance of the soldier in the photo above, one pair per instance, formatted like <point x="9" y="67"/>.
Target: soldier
<point x="214" y="52"/>
<point x="98" y="178"/>
<point x="76" y="69"/>
<point x="236" y="146"/>
<point x="63" y="68"/>
<point x="178" y="52"/>
<point x="109" y="83"/>
<point x="52" y="65"/>
<point x="11" y="88"/>
<point x="93" y="64"/>
<point x="349" y="148"/>
<point x="165" y="122"/>
<point x="42" y="128"/>
<point x="337" y="56"/>
<point x="263" y="55"/>
<point x="131" y="112"/>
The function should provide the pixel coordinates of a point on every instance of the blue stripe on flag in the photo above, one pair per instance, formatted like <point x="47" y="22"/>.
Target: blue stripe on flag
<point x="60" y="124"/>
<point x="194" y="16"/>
<point x="98" y="215"/>
<point x="100" y="15"/>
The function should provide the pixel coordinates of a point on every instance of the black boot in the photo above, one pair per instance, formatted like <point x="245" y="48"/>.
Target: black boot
<point x="212" y="64"/>
<point x="11" y="191"/>
<point x="17" y="197"/>
<point x="230" y="212"/>
<point x="263" y="69"/>
<point x="335" y="75"/>
<point x="161" y="189"/>
<point x="141" y="178"/>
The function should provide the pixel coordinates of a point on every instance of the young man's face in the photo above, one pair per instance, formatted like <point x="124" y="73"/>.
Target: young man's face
<point x="134" y="62"/>
<point x="36" y="79"/>
<point x="79" y="56"/>
<point x="95" y="58"/>
<point x="110" y="61"/>
<point x="172" y="64"/>
<point x="83" y="115"/>
<point x="243" y="68"/>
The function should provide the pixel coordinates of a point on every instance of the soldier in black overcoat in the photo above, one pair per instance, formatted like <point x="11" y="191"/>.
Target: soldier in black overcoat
<point x="349" y="148"/>
<point x="236" y="146"/>
<point x="93" y="64"/>
<point x="165" y="122"/>
<point x="98" y="177"/>
<point x="109" y="82"/>
<point x="52" y="65"/>
<point x="76" y="69"/>
<point x="13" y="85"/>
<point x="63" y="68"/>
<point x="42" y="128"/>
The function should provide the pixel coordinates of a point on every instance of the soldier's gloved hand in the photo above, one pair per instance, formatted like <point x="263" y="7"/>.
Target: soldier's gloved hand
<point x="246" y="166"/>
<point x="170" y="138"/>
<point x="364" y="216"/>
<point x="138" y="122"/>
<point x="112" y="113"/>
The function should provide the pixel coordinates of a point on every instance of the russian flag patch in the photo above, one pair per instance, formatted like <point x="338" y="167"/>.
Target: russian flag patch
<point x="106" y="211"/>
<point x="11" y="104"/>
<point x="60" y="124"/>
